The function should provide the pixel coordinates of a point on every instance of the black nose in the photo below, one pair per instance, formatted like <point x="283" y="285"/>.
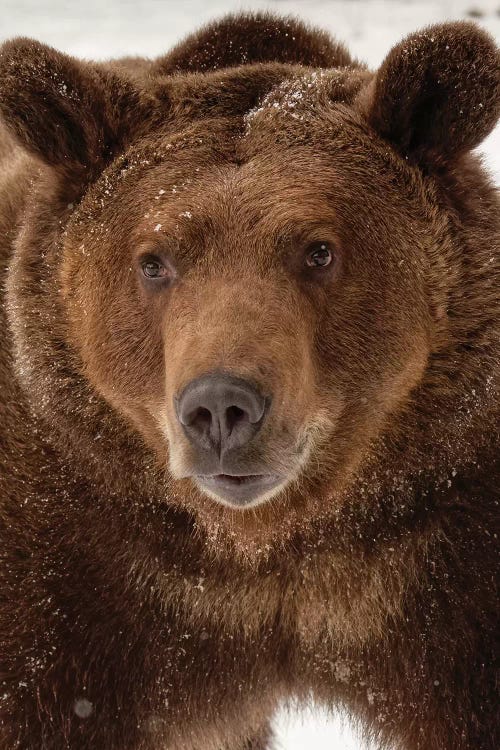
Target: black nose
<point x="220" y="412"/>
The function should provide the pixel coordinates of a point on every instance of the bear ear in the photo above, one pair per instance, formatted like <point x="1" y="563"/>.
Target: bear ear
<point x="249" y="38"/>
<point x="437" y="94"/>
<point x="69" y="114"/>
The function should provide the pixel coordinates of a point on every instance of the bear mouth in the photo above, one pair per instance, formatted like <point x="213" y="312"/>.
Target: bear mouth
<point x="239" y="490"/>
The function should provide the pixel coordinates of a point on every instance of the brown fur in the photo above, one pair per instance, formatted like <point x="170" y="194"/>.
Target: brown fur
<point x="136" y="611"/>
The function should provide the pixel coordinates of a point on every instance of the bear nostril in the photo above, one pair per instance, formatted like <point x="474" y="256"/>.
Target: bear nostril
<point x="199" y="415"/>
<point x="234" y="415"/>
<point x="202" y="416"/>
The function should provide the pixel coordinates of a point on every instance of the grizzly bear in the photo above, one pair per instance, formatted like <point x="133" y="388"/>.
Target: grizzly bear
<point x="250" y="374"/>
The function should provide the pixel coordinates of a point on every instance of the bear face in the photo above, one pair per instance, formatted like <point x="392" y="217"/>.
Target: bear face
<point x="276" y="240"/>
<point x="237" y="238"/>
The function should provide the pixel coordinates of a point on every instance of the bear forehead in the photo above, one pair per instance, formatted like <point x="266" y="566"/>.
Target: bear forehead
<point x="227" y="175"/>
<point x="292" y="137"/>
<point x="201" y="199"/>
<point x="286" y="185"/>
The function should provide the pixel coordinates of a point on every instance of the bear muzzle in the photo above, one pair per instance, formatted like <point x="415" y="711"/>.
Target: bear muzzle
<point x="221" y="414"/>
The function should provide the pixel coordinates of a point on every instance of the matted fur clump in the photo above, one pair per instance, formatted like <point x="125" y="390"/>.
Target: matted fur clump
<point x="249" y="380"/>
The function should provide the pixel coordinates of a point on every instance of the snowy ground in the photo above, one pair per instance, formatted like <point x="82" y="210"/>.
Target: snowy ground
<point x="109" y="28"/>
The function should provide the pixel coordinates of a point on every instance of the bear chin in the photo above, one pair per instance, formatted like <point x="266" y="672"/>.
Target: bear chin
<point x="241" y="492"/>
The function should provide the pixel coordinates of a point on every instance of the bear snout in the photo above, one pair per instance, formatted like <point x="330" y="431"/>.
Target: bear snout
<point x="221" y="414"/>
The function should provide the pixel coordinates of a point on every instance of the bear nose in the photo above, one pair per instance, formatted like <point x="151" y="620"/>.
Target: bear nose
<point x="220" y="412"/>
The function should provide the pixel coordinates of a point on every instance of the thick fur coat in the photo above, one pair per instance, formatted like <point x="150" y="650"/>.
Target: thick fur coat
<point x="138" y="612"/>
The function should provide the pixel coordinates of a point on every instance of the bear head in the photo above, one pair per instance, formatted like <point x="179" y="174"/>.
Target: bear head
<point x="239" y="283"/>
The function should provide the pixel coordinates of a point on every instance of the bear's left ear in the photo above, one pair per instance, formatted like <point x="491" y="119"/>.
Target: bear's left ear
<point x="437" y="94"/>
<point x="72" y="115"/>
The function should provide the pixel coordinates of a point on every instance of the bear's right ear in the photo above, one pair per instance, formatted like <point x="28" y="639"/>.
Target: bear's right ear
<point x="70" y="114"/>
<point x="437" y="94"/>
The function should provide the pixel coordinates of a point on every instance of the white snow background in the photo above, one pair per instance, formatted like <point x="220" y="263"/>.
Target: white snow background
<point x="109" y="28"/>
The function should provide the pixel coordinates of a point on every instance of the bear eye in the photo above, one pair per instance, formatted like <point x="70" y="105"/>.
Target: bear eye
<point x="319" y="255"/>
<point x="153" y="267"/>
